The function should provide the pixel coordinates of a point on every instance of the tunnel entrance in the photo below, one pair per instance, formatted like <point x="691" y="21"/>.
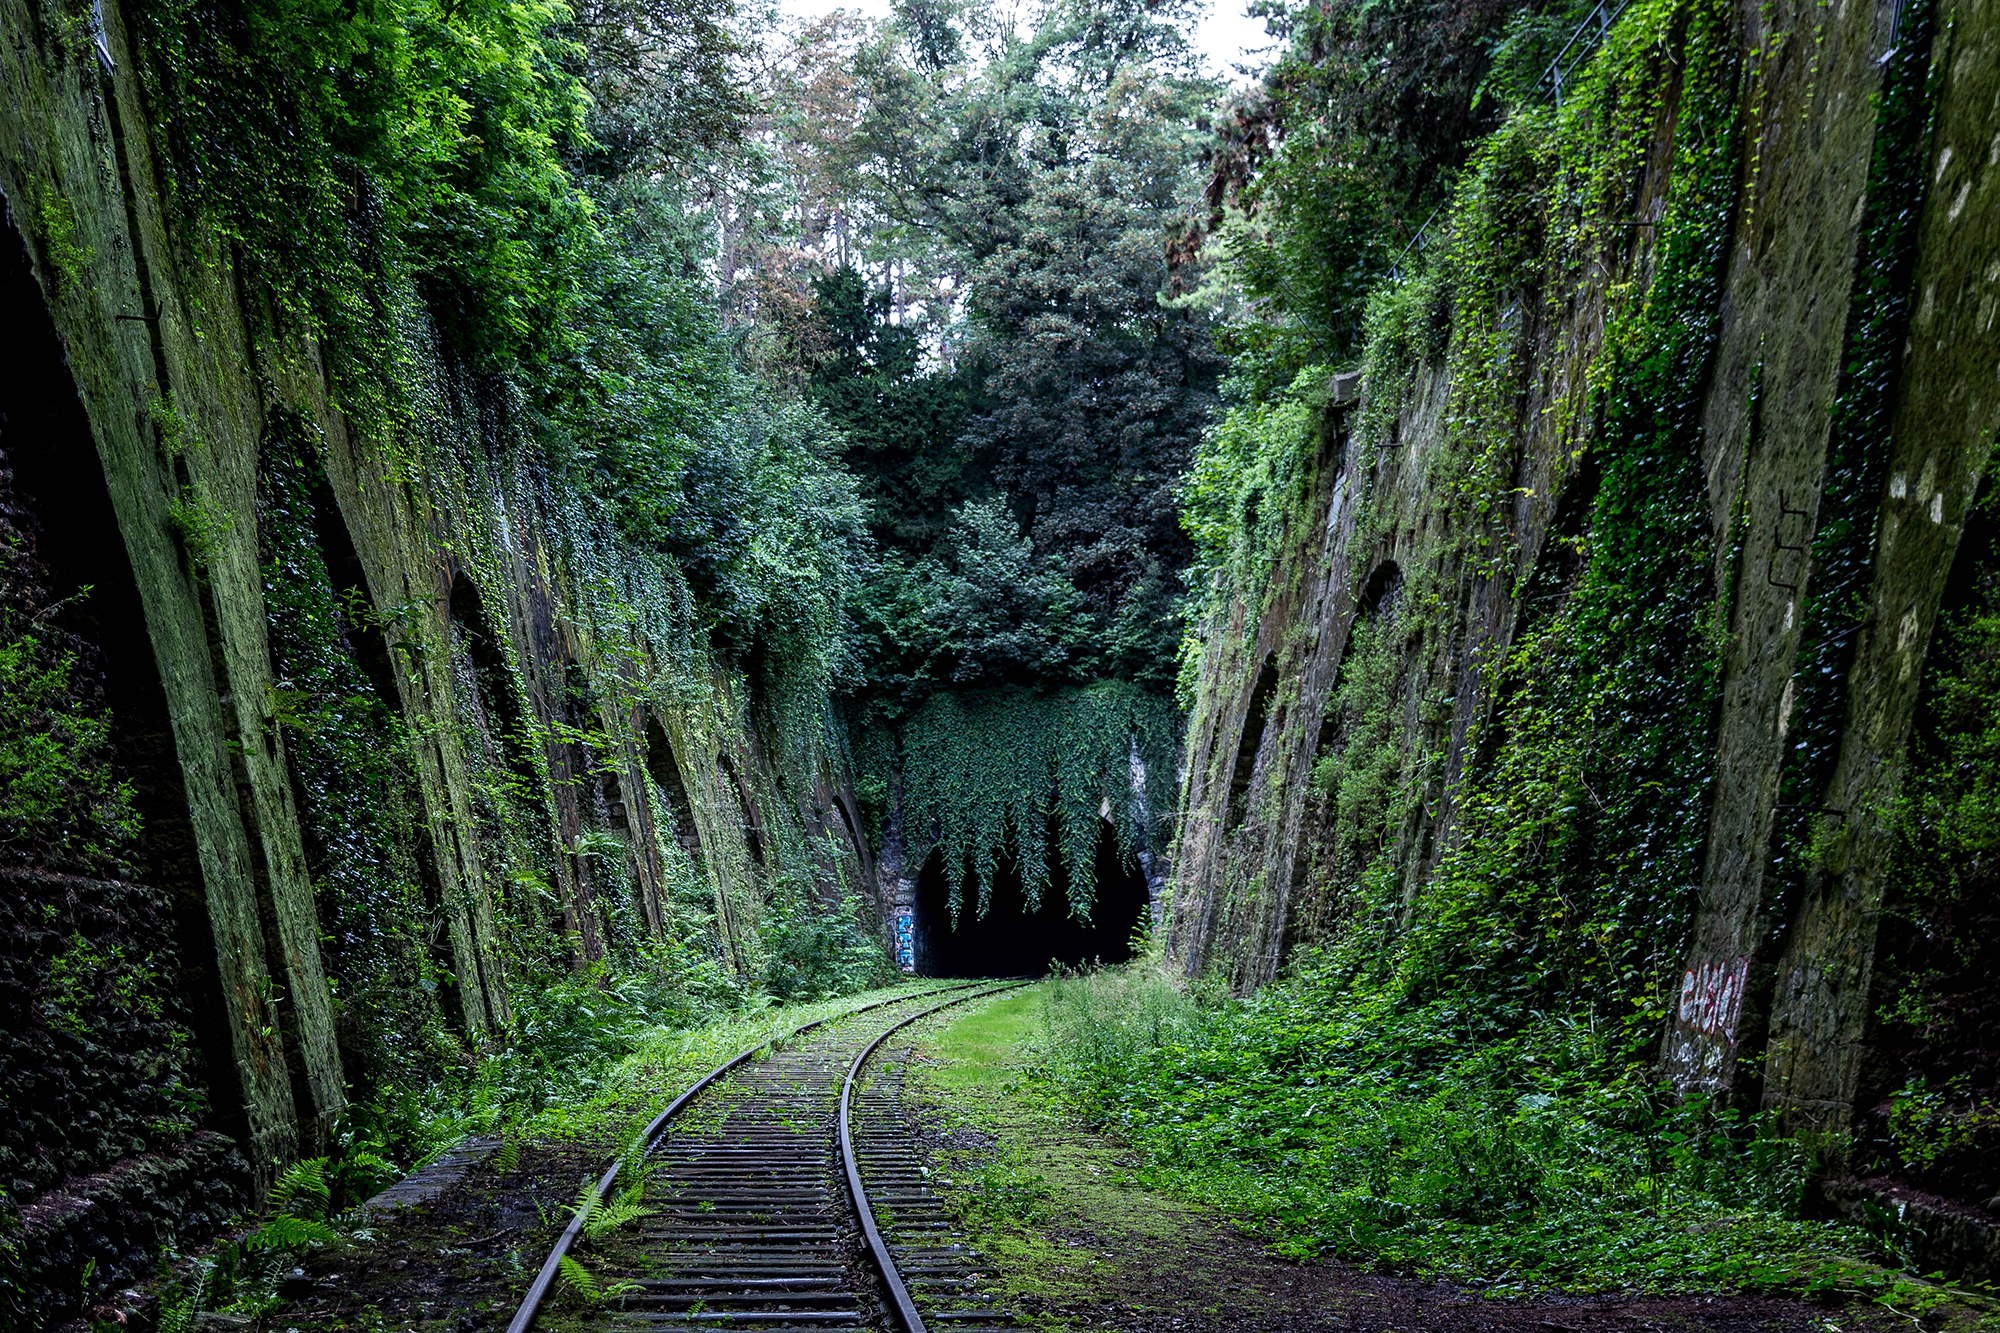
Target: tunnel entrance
<point x="1010" y="941"/>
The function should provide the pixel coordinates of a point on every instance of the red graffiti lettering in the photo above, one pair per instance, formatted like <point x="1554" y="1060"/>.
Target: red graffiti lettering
<point x="1712" y="997"/>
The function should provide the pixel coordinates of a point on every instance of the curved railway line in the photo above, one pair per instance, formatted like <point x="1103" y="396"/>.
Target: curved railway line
<point x="784" y="1195"/>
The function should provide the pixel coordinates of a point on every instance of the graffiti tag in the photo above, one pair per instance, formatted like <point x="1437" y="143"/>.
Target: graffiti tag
<point x="906" y="954"/>
<point x="1712" y="997"/>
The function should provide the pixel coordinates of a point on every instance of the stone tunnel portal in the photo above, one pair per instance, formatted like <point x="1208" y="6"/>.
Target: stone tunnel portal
<point x="1010" y="940"/>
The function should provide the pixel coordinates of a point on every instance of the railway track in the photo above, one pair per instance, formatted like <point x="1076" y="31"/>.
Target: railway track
<point x="784" y="1195"/>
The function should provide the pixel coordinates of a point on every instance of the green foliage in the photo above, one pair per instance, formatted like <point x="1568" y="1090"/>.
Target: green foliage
<point x="513" y="177"/>
<point x="1452" y="1139"/>
<point x="1250" y="476"/>
<point x="587" y="1287"/>
<point x="815" y="950"/>
<point x="1581" y="825"/>
<point x="179" y="1308"/>
<point x="89" y="981"/>
<point x="1937" y="976"/>
<point x="1019" y="433"/>
<point x="568" y="1031"/>
<point x="1844" y="541"/>
<point x="901" y="419"/>
<point x="598" y="1217"/>
<point x="1323" y="174"/>
<point x="200" y="528"/>
<point x="985" y="610"/>
<point x="66" y="252"/>
<point x="1582" y="841"/>
<point x="61" y="800"/>
<point x="349" y="753"/>
<point x="1016" y="773"/>
<point x="276" y="113"/>
<point x="303" y="1198"/>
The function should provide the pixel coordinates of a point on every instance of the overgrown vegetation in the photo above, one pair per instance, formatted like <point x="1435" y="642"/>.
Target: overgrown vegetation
<point x="1514" y="1151"/>
<point x="61" y="801"/>
<point x="1457" y="1076"/>
<point x="1581" y="833"/>
<point x="1932" y="1112"/>
<point x="971" y="293"/>
<point x="590" y="1071"/>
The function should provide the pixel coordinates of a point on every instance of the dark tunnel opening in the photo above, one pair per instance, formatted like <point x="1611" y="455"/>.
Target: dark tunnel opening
<point x="1010" y="941"/>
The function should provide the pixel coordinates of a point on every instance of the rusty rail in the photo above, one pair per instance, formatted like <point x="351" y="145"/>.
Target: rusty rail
<point x="538" y="1291"/>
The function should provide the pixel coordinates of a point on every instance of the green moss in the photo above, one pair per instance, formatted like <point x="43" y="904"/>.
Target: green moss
<point x="70" y="255"/>
<point x="1582" y="841"/>
<point x="350" y="759"/>
<point x="1049" y="1209"/>
<point x="1581" y="832"/>
<point x="1858" y="448"/>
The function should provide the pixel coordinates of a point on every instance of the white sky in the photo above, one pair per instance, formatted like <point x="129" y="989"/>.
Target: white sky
<point x="1226" y="37"/>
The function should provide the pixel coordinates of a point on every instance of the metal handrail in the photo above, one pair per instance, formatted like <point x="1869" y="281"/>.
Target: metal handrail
<point x="1602" y="16"/>
<point x="1396" y="268"/>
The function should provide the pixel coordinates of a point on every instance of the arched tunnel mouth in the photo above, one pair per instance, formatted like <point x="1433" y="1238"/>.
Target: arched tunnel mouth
<point x="1012" y="941"/>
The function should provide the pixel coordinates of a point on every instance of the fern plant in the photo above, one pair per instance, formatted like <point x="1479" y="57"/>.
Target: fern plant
<point x="177" y="1314"/>
<point x="508" y="1155"/>
<point x="303" y="1197"/>
<point x="599" y="1218"/>
<point x="286" y="1232"/>
<point x="303" y="1190"/>
<point x="585" y="1285"/>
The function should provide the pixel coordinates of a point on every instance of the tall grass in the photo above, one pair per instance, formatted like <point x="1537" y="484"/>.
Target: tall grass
<point x="1435" y="1138"/>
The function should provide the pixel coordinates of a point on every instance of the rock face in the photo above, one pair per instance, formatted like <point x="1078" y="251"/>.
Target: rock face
<point x="394" y="728"/>
<point x="1833" y="407"/>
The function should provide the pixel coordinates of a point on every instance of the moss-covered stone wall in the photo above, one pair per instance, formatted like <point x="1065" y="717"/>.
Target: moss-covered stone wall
<point x="430" y="735"/>
<point x="1577" y="662"/>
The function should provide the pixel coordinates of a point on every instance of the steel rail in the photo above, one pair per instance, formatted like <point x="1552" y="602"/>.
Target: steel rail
<point x="538" y="1291"/>
<point x="878" y="1249"/>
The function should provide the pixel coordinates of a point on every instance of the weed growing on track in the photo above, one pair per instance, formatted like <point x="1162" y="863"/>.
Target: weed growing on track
<point x="1516" y="1152"/>
<point x="616" y="1079"/>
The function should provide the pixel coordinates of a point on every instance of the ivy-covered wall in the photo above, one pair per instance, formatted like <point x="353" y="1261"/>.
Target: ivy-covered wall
<point x="396" y="726"/>
<point x="1564" y="653"/>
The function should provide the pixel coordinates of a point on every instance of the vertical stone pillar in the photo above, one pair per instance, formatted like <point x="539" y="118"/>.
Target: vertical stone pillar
<point x="1946" y="415"/>
<point x="1808" y="135"/>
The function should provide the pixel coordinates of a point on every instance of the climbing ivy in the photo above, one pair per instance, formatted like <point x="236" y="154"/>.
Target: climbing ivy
<point x="61" y="801"/>
<point x="1858" y="447"/>
<point x="1027" y="775"/>
<point x="349" y="753"/>
<point x="1580" y="824"/>
<point x="1579" y="856"/>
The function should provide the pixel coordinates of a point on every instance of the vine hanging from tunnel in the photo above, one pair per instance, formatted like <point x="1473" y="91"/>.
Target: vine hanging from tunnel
<point x="1039" y="769"/>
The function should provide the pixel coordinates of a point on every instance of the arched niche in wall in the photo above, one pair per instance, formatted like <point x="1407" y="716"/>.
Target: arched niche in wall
<point x="1250" y="741"/>
<point x="493" y="695"/>
<point x="663" y="767"/>
<point x="363" y="628"/>
<point x="498" y="744"/>
<point x="595" y="781"/>
<point x="753" y="825"/>
<point x="1380" y="595"/>
<point x="1328" y="850"/>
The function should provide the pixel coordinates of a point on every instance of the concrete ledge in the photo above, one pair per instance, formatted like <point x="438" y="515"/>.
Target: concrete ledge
<point x="1933" y="1234"/>
<point x="427" y="1182"/>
